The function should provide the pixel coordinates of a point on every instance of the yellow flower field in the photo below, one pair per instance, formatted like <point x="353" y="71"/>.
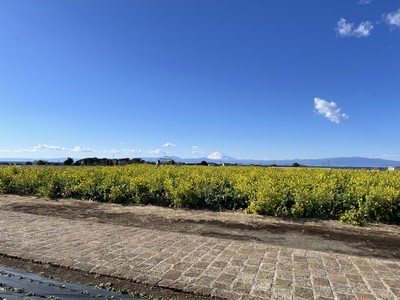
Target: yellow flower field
<point x="353" y="196"/>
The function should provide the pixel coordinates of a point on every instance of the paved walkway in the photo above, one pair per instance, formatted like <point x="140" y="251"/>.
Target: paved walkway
<point x="210" y="266"/>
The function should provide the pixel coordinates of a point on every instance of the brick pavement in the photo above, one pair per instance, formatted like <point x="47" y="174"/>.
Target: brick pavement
<point x="211" y="266"/>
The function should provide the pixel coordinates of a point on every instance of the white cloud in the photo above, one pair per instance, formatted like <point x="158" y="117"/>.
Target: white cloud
<point x="329" y="110"/>
<point x="168" y="145"/>
<point x="346" y="29"/>
<point x="197" y="150"/>
<point x="364" y="29"/>
<point x="25" y="150"/>
<point x="364" y="2"/>
<point x="157" y="152"/>
<point x="393" y="18"/>
<point x="216" y="155"/>
<point x="46" y="147"/>
<point x="4" y="151"/>
<point x="112" y="151"/>
<point x="80" y="149"/>
<point x="132" y="151"/>
<point x="116" y="151"/>
<point x="123" y="151"/>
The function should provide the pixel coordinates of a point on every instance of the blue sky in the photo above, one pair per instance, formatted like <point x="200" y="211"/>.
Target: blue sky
<point x="258" y="79"/>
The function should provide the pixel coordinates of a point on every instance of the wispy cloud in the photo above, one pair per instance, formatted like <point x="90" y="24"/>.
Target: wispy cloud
<point x="80" y="149"/>
<point x="346" y="29"/>
<point x="329" y="110"/>
<point x="393" y="19"/>
<point x="123" y="151"/>
<point x="364" y="29"/>
<point x="132" y="151"/>
<point x="168" y="145"/>
<point x="157" y="152"/>
<point x="343" y="28"/>
<point x="46" y="148"/>
<point x="197" y="150"/>
<point x="112" y="151"/>
<point x="361" y="2"/>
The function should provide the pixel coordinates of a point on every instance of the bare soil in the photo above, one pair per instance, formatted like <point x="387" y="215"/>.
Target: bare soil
<point x="374" y="240"/>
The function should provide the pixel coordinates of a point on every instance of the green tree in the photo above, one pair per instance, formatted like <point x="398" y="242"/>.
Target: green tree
<point x="69" y="161"/>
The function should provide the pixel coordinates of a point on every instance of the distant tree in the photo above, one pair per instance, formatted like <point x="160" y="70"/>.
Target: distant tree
<point x="203" y="163"/>
<point x="28" y="163"/>
<point x="41" y="162"/>
<point x="296" y="165"/>
<point x="69" y="161"/>
<point x="137" y="160"/>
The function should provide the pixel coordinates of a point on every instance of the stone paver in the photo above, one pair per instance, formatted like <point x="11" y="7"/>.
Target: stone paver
<point x="210" y="266"/>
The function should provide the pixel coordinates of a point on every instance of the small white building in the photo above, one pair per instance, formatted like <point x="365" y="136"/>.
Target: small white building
<point x="391" y="168"/>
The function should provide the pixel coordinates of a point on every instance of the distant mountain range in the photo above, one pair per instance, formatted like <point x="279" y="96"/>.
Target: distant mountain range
<point x="340" y="162"/>
<point x="219" y="158"/>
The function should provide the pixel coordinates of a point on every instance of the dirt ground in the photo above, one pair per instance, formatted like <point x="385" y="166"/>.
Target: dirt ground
<point x="374" y="240"/>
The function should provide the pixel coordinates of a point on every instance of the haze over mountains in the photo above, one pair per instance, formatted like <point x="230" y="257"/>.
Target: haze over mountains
<point x="219" y="158"/>
<point x="345" y="162"/>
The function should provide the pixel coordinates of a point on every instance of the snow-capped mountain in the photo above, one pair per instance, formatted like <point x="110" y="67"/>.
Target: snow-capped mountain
<point x="219" y="156"/>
